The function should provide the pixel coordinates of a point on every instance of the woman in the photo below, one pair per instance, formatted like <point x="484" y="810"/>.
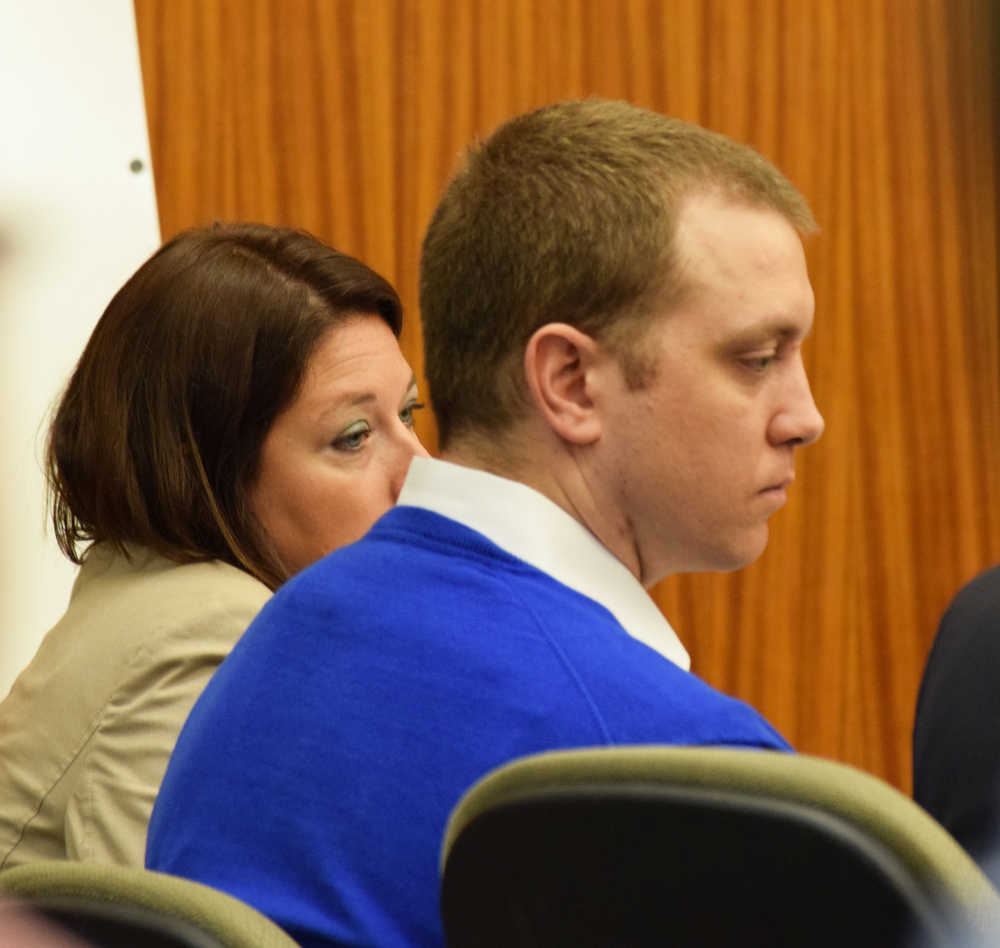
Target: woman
<point x="241" y="409"/>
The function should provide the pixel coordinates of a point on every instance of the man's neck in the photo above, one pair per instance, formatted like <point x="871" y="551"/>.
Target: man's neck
<point x="558" y="473"/>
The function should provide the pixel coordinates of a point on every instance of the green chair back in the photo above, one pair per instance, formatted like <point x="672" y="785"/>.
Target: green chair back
<point x="636" y="846"/>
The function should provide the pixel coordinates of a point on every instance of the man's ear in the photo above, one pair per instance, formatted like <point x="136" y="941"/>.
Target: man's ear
<point x="558" y="363"/>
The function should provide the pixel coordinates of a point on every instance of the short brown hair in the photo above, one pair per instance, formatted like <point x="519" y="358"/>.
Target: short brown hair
<point x="565" y="214"/>
<point x="157" y="437"/>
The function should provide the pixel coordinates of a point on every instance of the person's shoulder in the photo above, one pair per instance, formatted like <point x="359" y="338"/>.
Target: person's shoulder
<point x="160" y="598"/>
<point x="641" y="695"/>
<point x="730" y="721"/>
<point x="409" y="553"/>
<point x="207" y="593"/>
<point x="706" y="716"/>
<point x="981" y="595"/>
<point x="142" y="568"/>
<point x="406" y="527"/>
<point x="221" y="582"/>
<point x="970" y="625"/>
<point x="645" y="697"/>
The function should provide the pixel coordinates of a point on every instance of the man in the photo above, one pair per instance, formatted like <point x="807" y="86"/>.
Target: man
<point x="614" y="305"/>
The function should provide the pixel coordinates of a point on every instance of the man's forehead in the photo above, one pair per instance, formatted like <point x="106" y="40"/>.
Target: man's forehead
<point x="719" y="240"/>
<point x="706" y="219"/>
<point x="744" y="265"/>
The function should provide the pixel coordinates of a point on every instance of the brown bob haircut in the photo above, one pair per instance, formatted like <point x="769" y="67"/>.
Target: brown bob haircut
<point x="566" y="214"/>
<point x="157" y="437"/>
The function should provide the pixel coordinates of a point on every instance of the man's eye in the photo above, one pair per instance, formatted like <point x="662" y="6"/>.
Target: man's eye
<point x="354" y="438"/>
<point x="406" y="415"/>
<point x="759" y="363"/>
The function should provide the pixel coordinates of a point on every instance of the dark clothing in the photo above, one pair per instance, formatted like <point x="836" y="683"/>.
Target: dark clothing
<point x="956" y="733"/>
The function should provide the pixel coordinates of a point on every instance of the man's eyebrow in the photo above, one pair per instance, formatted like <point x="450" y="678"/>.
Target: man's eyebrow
<point x="779" y="329"/>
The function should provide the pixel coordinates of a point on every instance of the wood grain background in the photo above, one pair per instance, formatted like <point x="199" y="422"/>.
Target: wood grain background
<point x="346" y="116"/>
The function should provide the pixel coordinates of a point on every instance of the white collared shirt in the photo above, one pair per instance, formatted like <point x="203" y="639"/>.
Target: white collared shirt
<point x="528" y="525"/>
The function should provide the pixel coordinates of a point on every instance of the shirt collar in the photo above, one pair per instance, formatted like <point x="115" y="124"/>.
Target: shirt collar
<point x="528" y="525"/>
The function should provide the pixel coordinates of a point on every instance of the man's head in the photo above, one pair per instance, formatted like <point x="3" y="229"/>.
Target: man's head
<point x="567" y="214"/>
<point x="614" y="305"/>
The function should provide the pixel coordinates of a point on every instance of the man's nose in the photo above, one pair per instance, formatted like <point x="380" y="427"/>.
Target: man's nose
<point x="798" y="421"/>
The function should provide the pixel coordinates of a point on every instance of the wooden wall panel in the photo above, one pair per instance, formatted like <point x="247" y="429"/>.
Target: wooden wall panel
<point x="345" y="117"/>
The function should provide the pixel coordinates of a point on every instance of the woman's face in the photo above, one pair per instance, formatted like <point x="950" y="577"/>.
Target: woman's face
<point x="334" y="460"/>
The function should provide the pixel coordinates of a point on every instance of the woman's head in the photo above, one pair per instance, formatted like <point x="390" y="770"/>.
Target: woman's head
<point x="160" y="436"/>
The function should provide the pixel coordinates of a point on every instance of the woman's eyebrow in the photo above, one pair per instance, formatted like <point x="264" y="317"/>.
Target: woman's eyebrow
<point x="352" y="399"/>
<point x="346" y="400"/>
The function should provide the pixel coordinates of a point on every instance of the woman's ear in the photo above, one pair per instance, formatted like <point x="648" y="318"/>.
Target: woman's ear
<point x="559" y="362"/>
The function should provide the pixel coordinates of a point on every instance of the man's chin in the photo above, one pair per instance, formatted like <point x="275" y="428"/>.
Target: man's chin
<point x="750" y="548"/>
<point x="720" y="558"/>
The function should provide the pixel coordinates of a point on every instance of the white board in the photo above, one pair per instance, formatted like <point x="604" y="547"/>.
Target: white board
<point x="77" y="216"/>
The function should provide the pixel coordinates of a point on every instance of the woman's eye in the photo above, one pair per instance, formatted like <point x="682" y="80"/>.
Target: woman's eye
<point x="354" y="438"/>
<point x="406" y="415"/>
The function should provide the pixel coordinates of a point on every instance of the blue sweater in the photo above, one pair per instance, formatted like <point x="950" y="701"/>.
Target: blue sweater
<point x="315" y="775"/>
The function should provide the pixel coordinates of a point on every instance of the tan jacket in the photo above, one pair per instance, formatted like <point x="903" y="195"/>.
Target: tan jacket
<point x="88" y="726"/>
